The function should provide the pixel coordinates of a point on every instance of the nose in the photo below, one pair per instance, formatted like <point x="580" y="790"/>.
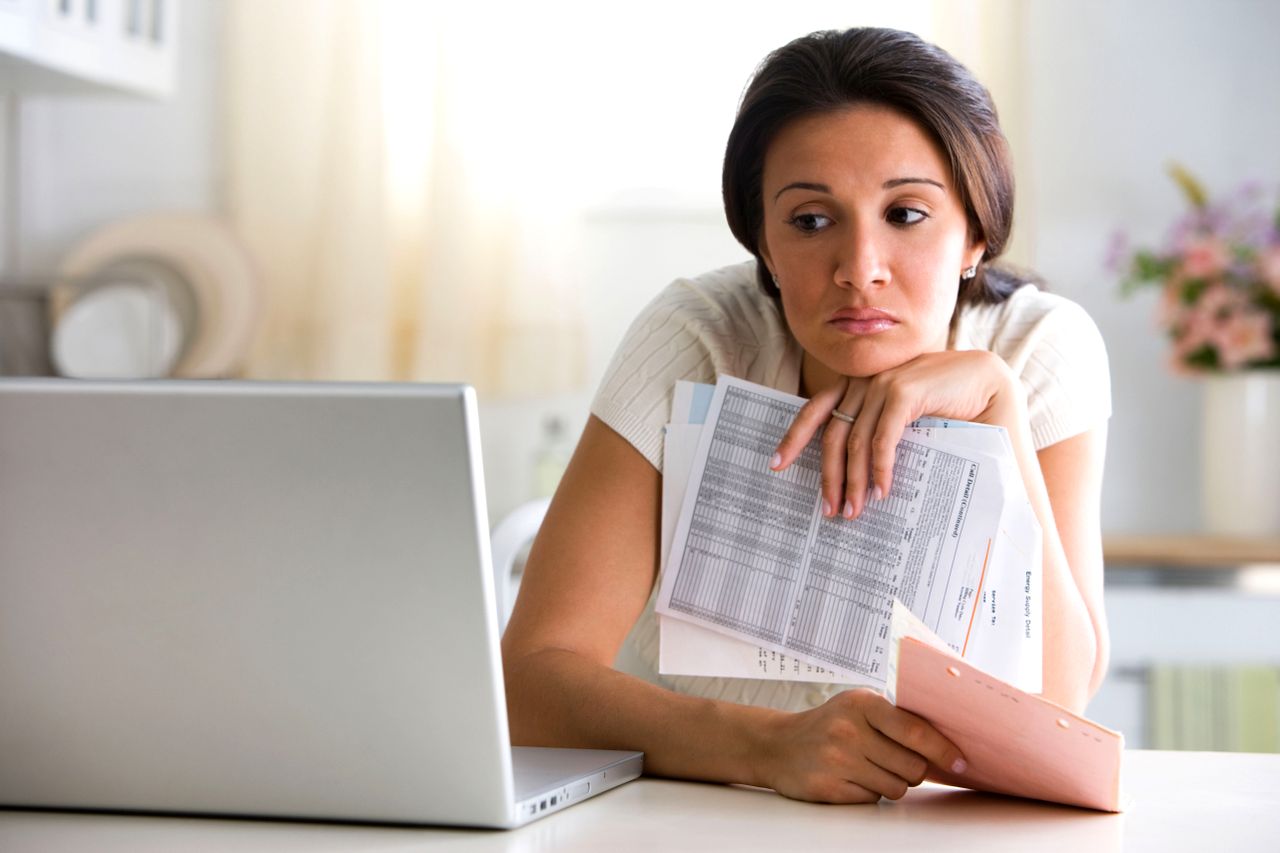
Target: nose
<point x="861" y="260"/>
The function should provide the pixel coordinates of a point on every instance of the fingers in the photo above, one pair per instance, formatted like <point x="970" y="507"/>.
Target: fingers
<point x="904" y="764"/>
<point x="854" y="748"/>
<point x="917" y="735"/>
<point x="812" y="415"/>
<point x="835" y="442"/>
<point x="873" y="444"/>
<point x="834" y="445"/>
<point x="884" y="783"/>
<point x="892" y="422"/>
<point x="835" y="790"/>
<point x="858" y="461"/>
<point x="867" y="757"/>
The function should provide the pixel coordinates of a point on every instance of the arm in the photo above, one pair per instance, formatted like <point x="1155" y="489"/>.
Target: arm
<point x="1072" y="471"/>
<point x="589" y="574"/>
<point x="1063" y="483"/>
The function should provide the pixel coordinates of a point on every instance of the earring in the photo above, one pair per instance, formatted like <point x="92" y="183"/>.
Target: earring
<point x="969" y="273"/>
<point x="774" y="275"/>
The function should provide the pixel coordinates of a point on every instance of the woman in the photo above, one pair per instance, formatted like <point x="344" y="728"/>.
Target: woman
<point x="867" y="175"/>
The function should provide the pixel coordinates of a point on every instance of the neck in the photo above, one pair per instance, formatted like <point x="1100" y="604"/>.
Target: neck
<point x="814" y="376"/>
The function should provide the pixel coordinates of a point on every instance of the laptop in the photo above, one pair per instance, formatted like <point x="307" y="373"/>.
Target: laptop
<point x="258" y="599"/>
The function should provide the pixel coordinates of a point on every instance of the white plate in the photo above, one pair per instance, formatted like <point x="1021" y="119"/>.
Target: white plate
<point x="118" y="331"/>
<point x="207" y="256"/>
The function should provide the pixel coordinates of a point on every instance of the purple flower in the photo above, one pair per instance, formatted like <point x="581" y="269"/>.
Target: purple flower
<point x="1117" y="256"/>
<point x="1218" y="271"/>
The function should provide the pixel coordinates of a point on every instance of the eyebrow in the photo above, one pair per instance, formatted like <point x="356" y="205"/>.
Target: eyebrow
<point x="897" y="182"/>
<point x="803" y="185"/>
<point x="888" y="185"/>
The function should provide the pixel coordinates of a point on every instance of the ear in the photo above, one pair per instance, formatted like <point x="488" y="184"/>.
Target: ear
<point x="973" y="254"/>
<point x="763" y="248"/>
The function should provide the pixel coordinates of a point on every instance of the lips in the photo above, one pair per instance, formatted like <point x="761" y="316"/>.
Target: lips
<point x="862" y="321"/>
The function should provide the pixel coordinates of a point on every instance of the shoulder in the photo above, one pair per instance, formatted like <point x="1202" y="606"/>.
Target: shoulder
<point x="1019" y="322"/>
<point x="721" y="320"/>
<point x="723" y="301"/>
<point x="1055" y="348"/>
<point x="695" y="329"/>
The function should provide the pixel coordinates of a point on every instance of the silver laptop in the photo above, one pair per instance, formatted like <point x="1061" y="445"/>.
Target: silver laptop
<point x="258" y="599"/>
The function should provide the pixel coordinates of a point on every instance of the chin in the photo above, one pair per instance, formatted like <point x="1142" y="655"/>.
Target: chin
<point x="868" y="359"/>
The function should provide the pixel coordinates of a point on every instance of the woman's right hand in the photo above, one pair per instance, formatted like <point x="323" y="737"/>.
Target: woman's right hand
<point x="855" y="748"/>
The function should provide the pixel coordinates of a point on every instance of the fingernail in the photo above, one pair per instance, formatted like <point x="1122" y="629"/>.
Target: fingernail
<point x="775" y="461"/>
<point x="959" y="766"/>
<point x="826" y="507"/>
<point x="877" y="493"/>
<point x="848" y="509"/>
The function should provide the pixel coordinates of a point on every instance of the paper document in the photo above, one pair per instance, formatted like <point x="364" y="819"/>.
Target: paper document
<point x="758" y="584"/>
<point x="1013" y="742"/>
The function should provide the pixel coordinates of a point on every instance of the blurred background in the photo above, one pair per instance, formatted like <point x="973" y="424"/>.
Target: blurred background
<point x="488" y="192"/>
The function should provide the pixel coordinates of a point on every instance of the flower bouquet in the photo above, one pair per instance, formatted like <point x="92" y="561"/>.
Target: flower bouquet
<point x="1219" y="272"/>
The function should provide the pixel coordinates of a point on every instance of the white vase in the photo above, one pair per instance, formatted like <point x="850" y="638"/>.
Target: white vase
<point x="1240" y="456"/>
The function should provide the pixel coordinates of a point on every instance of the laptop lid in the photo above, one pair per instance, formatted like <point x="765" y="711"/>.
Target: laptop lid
<point x="248" y="598"/>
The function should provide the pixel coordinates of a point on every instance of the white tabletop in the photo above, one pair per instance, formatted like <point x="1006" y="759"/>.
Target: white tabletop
<point x="1177" y="801"/>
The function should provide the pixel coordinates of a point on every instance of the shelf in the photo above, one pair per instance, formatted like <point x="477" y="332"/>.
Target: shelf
<point x="1189" y="551"/>
<point x="76" y="47"/>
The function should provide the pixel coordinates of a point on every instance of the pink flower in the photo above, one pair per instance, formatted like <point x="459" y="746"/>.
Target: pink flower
<point x="1197" y="327"/>
<point x="1198" y="323"/>
<point x="1218" y="299"/>
<point x="1243" y="337"/>
<point x="1172" y="312"/>
<point x="1269" y="267"/>
<point x="1204" y="257"/>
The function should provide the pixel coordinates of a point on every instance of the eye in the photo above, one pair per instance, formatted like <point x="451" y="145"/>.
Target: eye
<point x="906" y="216"/>
<point x="809" y="223"/>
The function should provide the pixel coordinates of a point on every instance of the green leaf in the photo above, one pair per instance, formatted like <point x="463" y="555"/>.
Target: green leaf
<point x="1192" y="290"/>
<point x="1205" y="358"/>
<point x="1150" y="266"/>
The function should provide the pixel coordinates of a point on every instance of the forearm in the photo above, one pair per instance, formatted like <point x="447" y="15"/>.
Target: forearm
<point x="557" y="697"/>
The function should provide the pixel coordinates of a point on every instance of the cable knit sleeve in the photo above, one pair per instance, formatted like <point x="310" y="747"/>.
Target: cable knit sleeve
<point x="697" y="329"/>
<point x="1055" y="348"/>
<point x="664" y="344"/>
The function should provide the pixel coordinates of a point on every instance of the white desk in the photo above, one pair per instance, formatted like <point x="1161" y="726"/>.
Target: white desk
<point x="1180" y="801"/>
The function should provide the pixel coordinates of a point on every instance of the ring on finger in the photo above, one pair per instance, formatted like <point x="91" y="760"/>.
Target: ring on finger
<point x="841" y="416"/>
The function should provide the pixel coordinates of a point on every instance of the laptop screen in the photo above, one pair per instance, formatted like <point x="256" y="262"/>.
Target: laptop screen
<point x="251" y="598"/>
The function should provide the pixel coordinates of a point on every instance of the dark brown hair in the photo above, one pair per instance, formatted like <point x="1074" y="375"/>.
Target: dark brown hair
<point x="831" y="70"/>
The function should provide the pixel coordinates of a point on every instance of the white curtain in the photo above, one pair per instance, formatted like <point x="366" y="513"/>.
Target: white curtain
<point x="391" y="242"/>
<point x="411" y="175"/>
<point x="988" y="36"/>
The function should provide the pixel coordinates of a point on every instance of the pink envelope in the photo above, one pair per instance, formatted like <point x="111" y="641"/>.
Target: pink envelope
<point x="1014" y="742"/>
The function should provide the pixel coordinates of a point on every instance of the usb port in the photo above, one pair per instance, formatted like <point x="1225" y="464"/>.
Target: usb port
<point x="542" y="806"/>
<point x="553" y="801"/>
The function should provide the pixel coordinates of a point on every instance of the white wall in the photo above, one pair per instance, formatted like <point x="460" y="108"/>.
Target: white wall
<point x="87" y="160"/>
<point x="1116" y="91"/>
<point x="629" y="253"/>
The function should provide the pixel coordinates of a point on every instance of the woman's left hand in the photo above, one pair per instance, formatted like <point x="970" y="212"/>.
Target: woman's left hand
<point x="858" y="457"/>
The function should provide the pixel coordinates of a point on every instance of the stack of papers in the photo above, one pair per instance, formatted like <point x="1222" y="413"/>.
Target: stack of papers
<point x="932" y="595"/>
<point x="757" y="583"/>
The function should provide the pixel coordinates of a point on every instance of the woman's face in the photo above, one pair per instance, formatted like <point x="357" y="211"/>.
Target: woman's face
<point x="866" y="236"/>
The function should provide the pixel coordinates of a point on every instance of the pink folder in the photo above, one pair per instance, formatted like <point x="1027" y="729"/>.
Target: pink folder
<point x="1014" y="742"/>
